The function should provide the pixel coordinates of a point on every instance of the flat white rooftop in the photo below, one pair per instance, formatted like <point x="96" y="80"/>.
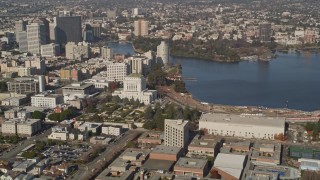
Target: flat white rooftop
<point x="242" y="119"/>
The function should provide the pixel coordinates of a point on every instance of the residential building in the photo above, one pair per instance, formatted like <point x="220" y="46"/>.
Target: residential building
<point x="176" y="132"/>
<point x="192" y="167"/>
<point x="245" y="126"/>
<point x="117" y="71"/>
<point x="163" y="53"/>
<point x="46" y="100"/>
<point x="36" y="36"/>
<point x="141" y="27"/>
<point x="77" y="51"/>
<point x="134" y="87"/>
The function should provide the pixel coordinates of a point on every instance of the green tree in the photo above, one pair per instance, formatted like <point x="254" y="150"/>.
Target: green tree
<point x="3" y="86"/>
<point x="170" y="111"/>
<point x="132" y="144"/>
<point x="309" y="126"/>
<point x="115" y="99"/>
<point x="156" y="77"/>
<point x="38" y="115"/>
<point x="54" y="117"/>
<point x="180" y="86"/>
<point x="159" y="119"/>
<point x="149" y="124"/>
<point x="29" y="154"/>
<point x="148" y="113"/>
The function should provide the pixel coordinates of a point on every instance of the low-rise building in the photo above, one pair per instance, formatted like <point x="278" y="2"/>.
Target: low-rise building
<point x="93" y="127"/>
<point x="79" y="90"/>
<point x="46" y="100"/>
<point x="229" y="166"/>
<point x="304" y="152"/>
<point x="203" y="147"/>
<point x="100" y="140"/>
<point x="21" y="127"/>
<point x="59" y="133"/>
<point x="309" y="164"/>
<point x="236" y="147"/>
<point x="23" y="85"/>
<point x="266" y="154"/>
<point x="25" y="166"/>
<point x="166" y="153"/>
<point x="111" y="175"/>
<point x="15" y="101"/>
<point x="192" y="167"/>
<point x="50" y="50"/>
<point x="244" y="126"/>
<point x="150" y="138"/>
<point x="77" y="51"/>
<point x="112" y="130"/>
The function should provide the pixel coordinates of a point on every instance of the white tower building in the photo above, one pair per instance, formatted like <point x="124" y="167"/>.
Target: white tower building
<point x="163" y="52"/>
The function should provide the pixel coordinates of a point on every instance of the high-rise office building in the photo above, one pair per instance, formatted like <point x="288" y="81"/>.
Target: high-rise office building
<point x="19" y="27"/>
<point x="141" y="27"/>
<point x="176" y="132"/>
<point x="163" y="52"/>
<point x="106" y="52"/>
<point x="36" y="36"/>
<point x="68" y="29"/>
<point x="96" y="30"/>
<point x="135" y="12"/>
<point x="23" y="41"/>
<point x="265" y="32"/>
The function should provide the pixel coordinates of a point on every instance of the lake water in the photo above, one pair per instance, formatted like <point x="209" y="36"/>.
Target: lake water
<point x="290" y="77"/>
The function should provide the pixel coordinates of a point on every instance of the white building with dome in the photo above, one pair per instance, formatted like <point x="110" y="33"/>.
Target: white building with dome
<point x="134" y="87"/>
